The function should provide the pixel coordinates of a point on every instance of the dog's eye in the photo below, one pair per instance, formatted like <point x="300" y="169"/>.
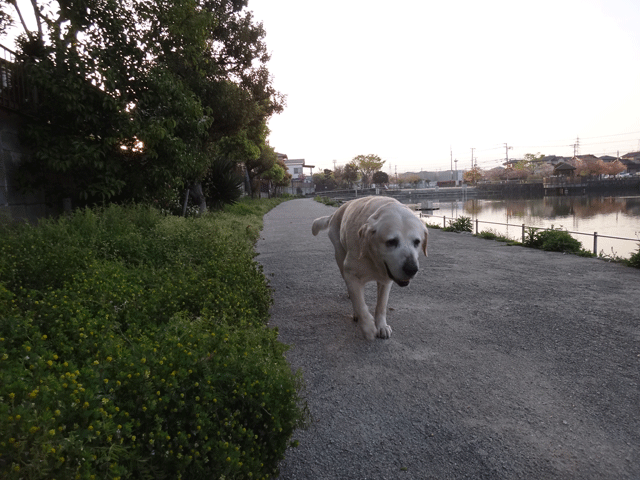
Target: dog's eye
<point x="393" y="243"/>
<point x="416" y="243"/>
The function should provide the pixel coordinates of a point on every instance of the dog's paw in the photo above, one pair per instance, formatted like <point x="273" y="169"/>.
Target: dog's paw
<point x="368" y="330"/>
<point x="384" y="332"/>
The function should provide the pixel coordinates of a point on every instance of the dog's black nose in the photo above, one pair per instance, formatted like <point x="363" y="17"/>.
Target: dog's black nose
<point x="410" y="268"/>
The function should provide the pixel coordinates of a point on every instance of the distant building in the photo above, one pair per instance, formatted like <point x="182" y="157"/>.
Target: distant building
<point x="300" y="182"/>
<point x="296" y="167"/>
<point x="632" y="162"/>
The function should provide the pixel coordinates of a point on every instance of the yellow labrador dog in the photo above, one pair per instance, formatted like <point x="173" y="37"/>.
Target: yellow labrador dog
<point x="375" y="239"/>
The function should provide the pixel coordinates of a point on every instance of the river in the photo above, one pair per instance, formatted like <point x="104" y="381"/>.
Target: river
<point x="616" y="216"/>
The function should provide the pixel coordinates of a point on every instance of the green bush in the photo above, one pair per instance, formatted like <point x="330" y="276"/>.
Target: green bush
<point x="634" y="260"/>
<point x="135" y="345"/>
<point x="554" y="240"/>
<point x="461" y="224"/>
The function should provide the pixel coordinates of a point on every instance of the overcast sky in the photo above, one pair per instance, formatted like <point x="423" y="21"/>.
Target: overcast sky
<point x="415" y="80"/>
<point x="418" y="80"/>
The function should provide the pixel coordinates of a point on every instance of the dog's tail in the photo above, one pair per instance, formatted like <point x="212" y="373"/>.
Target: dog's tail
<point x="321" y="223"/>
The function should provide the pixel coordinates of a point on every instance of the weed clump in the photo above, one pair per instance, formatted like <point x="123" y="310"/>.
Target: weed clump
<point x="461" y="224"/>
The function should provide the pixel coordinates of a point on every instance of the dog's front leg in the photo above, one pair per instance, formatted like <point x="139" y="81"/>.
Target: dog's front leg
<point x="383" y="330"/>
<point x="360" y="310"/>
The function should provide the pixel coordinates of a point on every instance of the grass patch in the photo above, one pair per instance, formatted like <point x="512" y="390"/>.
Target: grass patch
<point x="135" y="345"/>
<point x="327" y="201"/>
<point x="493" y="235"/>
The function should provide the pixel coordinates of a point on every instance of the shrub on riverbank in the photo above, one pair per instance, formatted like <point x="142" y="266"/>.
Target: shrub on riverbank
<point x="554" y="240"/>
<point x="461" y="224"/>
<point x="134" y="344"/>
<point x="634" y="261"/>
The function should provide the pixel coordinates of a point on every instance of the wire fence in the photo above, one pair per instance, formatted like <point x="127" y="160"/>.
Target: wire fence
<point x="524" y="227"/>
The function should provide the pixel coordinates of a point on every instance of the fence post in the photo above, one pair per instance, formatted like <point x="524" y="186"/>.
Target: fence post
<point x="444" y="221"/>
<point x="476" y="226"/>
<point x="523" y="233"/>
<point x="595" y="243"/>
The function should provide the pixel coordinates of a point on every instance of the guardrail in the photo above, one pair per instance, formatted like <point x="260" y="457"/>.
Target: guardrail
<point x="595" y="235"/>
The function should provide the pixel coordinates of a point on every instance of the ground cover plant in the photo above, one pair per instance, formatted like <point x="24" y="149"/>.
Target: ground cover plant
<point x="135" y="345"/>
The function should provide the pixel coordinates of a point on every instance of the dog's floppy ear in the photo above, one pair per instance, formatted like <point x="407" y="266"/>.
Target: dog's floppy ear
<point x="366" y="231"/>
<point x="424" y="244"/>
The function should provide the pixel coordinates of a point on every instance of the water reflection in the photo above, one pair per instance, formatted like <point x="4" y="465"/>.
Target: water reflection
<point x="609" y="216"/>
<point x="557" y="207"/>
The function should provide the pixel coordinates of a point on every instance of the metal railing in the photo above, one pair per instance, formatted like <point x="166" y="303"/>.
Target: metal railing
<point x="524" y="227"/>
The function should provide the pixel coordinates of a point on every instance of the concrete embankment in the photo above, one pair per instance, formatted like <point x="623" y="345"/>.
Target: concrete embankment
<point x="505" y="362"/>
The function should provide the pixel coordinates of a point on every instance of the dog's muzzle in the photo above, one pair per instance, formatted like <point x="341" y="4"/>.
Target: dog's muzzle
<point x="409" y="268"/>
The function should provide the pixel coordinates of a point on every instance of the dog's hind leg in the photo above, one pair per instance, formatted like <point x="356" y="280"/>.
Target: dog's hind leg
<point x="383" y="330"/>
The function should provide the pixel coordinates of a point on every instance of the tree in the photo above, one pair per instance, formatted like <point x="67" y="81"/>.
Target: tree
<point x="368" y="164"/>
<point x="277" y="175"/>
<point x="350" y="175"/>
<point x="380" y="178"/>
<point x="324" y="180"/>
<point x="473" y="175"/>
<point x="614" y="168"/>
<point x="258" y="166"/>
<point x="137" y="98"/>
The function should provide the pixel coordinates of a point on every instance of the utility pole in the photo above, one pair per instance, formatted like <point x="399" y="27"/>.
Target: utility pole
<point x="507" y="148"/>
<point x="456" y="179"/>
<point x="576" y="147"/>
<point x="334" y="165"/>
<point x="472" y="158"/>
<point x="451" y="153"/>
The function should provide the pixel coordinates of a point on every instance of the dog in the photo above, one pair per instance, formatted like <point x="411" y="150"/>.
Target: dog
<point x="375" y="239"/>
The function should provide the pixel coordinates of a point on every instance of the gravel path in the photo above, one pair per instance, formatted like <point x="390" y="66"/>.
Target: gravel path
<point x="505" y="362"/>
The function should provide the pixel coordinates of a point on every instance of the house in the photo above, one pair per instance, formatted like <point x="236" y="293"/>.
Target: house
<point x="300" y="183"/>
<point x="296" y="168"/>
<point x="632" y="162"/>
<point x="564" y="169"/>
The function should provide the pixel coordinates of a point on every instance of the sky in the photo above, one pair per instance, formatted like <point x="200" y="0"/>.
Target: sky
<point x="422" y="82"/>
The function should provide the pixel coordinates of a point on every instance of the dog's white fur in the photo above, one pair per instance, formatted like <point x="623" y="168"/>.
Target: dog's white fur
<point x="375" y="239"/>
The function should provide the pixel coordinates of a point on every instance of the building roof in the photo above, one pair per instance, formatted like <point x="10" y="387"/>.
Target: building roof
<point x="297" y="161"/>
<point x="564" y="167"/>
<point x="631" y="156"/>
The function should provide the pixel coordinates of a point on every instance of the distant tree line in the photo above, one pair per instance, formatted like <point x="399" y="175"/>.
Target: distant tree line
<point x="362" y="169"/>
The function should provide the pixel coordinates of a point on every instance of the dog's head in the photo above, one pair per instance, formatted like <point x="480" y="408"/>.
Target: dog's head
<point x="393" y="240"/>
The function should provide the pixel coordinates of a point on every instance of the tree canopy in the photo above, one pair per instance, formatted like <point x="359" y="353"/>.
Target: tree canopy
<point x="137" y="98"/>
<point x="368" y="165"/>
